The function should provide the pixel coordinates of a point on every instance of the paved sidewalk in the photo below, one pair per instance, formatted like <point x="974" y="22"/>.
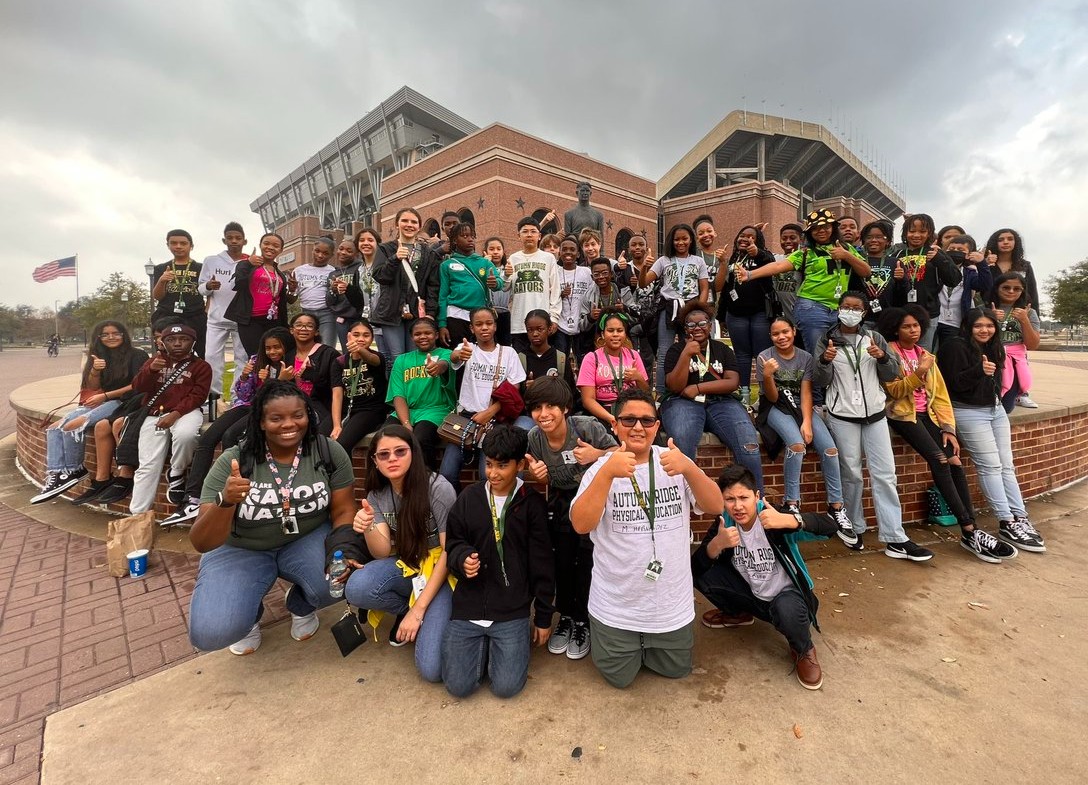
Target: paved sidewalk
<point x="69" y="631"/>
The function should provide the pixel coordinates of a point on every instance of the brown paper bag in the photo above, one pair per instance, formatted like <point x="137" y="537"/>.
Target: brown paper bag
<point x="125" y="535"/>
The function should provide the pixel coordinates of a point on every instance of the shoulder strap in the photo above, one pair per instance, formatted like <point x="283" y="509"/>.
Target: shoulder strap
<point x="324" y="455"/>
<point x="560" y="362"/>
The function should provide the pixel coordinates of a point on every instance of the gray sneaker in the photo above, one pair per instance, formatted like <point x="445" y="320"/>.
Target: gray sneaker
<point x="560" y="637"/>
<point x="579" y="641"/>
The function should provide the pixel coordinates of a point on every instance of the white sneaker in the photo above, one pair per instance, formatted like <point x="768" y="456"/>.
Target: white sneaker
<point x="304" y="627"/>
<point x="248" y="644"/>
<point x="1025" y="401"/>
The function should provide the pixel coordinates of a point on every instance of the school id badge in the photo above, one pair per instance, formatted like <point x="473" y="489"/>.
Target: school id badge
<point x="653" y="570"/>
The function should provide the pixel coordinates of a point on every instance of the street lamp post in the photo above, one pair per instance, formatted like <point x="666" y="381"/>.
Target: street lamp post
<point x="56" y="318"/>
<point x="149" y="268"/>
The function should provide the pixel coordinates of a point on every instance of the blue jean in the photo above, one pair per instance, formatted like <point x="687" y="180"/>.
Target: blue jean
<point x="987" y="435"/>
<point x="381" y="586"/>
<point x="665" y="338"/>
<point x="503" y="648"/>
<point x="327" y="327"/>
<point x="232" y="582"/>
<point x="453" y="458"/>
<point x="685" y="420"/>
<point x="398" y="338"/>
<point x="813" y="321"/>
<point x="64" y="449"/>
<point x="790" y="432"/>
<point x="750" y="335"/>
<point x="874" y="442"/>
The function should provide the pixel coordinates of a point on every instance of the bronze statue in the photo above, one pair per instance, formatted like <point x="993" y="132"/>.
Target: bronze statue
<point x="582" y="216"/>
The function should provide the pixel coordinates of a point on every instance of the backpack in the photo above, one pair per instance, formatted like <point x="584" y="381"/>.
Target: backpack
<point x="560" y="361"/>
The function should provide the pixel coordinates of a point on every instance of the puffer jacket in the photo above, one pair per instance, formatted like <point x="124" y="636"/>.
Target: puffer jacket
<point x="839" y="378"/>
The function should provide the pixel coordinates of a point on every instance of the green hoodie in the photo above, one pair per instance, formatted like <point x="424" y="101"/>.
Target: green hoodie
<point x="462" y="283"/>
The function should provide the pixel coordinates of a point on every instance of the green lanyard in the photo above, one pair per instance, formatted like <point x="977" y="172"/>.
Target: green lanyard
<point x="855" y="361"/>
<point x="498" y="525"/>
<point x="353" y="389"/>
<point x="617" y="376"/>
<point x="646" y="502"/>
<point x="704" y="365"/>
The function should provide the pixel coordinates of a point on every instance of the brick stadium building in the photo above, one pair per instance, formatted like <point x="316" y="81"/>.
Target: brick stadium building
<point x="411" y="152"/>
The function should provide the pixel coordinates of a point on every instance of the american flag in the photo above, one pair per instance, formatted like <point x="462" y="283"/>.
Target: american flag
<point x="55" y="269"/>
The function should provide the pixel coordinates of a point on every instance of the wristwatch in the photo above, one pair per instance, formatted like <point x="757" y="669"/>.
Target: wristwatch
<point x="221" y="502"/>
<point x="800" y="521"/>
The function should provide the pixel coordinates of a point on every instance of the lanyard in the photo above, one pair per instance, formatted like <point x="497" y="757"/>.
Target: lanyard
<point x="498" y="525"/>
<point x="353" y="390"/>
<point x="181" y="281"/>
<point x="284" y="487"/>
<point x="679" y="268"/>
<point x="704" y="363"/>
<point x="617" y="377"/>
<point x="914" y="265"/>
<point x="646" y="502"/>
<point x="613" y="295"/>
<point x="366" y="278"/>
<point x="855" y="360"/>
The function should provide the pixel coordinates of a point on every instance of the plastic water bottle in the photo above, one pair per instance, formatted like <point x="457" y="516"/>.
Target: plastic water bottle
<point x="336" y="569"/>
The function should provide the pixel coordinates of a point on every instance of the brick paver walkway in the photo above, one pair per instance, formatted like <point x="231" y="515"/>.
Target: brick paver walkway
<point x="68" y="631"/>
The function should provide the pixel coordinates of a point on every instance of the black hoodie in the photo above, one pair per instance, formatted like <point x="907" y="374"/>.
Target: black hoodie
<point x="527" y="555"/>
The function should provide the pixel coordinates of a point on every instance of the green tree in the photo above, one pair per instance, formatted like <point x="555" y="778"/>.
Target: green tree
<point x="118" y="298"/>
<point x="1068" y="292"/>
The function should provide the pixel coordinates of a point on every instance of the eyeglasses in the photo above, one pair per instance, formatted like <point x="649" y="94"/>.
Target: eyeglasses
<point x="627" y="421"/>
<point x="305" y="327"/>
<point x="105" y="336"/>
<point x="857" y="308"/>
<point x="383" y="456"/>
<point x="697" y="325"/>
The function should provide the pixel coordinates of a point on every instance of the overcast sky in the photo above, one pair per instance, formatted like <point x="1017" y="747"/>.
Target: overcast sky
<point x="124" y="119"/>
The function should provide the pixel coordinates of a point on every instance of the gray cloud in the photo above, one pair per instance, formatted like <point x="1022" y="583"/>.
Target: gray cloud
<point x="124" y="119"/>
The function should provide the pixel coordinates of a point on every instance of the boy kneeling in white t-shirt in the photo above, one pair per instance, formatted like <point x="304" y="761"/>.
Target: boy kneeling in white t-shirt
<point x="636" y="504"/>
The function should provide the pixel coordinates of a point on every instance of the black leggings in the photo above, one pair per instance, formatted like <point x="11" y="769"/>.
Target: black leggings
<point x="426" y="433"/>
<point x="925" y="438"/>
<point x="251" y="333"/>
<point x="356" y="427"/>
<point x="573" y="558"/>
<point x="205" y="447"/>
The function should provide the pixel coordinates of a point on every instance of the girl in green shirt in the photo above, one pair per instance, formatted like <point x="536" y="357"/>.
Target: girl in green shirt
<point x="465" y="281"/>
<point x="421" y="387"/>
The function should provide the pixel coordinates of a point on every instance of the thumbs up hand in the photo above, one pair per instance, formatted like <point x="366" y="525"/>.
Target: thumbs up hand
<point x="621" y="463"/>
<point x="932" y="252"/>
<point x="538" y="470"/>
<point x="673" y="460"/>
<point x="463" y="352"/>
<point x="287" y="372"/>
<point x="364" y="519"/>
<point x="430" y="366"/>
<point x="213" y="284"/>
<point x="621" y="263"/>
<point x="988" y="367"/>
<point x="236" y="488"/>
<point x="586" y="453"/>
<point x="471" y="567"/>
<point x="492" y="281"/>
<point x="508" y="271"/>
<point x="97" y="363"/>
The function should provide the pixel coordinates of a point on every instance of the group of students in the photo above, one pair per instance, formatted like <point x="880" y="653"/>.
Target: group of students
<point x="432" y="328"/>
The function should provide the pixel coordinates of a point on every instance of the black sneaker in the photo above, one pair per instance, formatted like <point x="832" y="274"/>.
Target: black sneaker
<point x="184" y="515"/>
<point x="907" y="550"/>
<point x="119" y="489"/>
<point x="92" y="493"/>
<point x="987" y="547"/>
<point x="175" y="489"/>
<point x="849" y="537"/>
<point x="58" y="483"/>
<point x="1021" y="534"/>
<point x="393" y="632"/>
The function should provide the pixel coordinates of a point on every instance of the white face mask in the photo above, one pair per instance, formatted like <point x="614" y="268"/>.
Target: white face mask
<point x="851" y="318"/>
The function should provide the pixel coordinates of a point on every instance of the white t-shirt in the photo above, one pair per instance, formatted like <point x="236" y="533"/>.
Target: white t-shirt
<point x="620" y="595"/>
<point x="581" y="281"/>
<point x="755" y="561"/>
<point x="313" y="283"/>
<point x="222" y="267"/>
<point x="534" y="284"/>
<point x="680" y="276"/>
<point x="480" y="378"/>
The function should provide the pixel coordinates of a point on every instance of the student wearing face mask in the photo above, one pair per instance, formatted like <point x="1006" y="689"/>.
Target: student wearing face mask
<point x="959" y="299"/>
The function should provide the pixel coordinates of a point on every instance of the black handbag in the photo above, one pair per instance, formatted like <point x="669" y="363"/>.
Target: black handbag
<point x="348" y="632"/>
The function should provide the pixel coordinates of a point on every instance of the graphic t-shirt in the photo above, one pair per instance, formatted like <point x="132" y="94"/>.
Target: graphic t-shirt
<point x="222" y="268"/>
<point x="680" y="276"/>
<point x="564" y="471"/>
<point x="257" y="524"/>
<point x="484" y="371"/>
<point x="619" y="594"/>
<point x="790" y="373"/>
<point x="364" y="385"/>
<point x="577" y="281"/>
<point x="387" y="503"/>
<point x="823" y="276"/>
<point x="1012" y="332"/>
<point x="721" y="361"/>
<point x="755" y="561"/>
<point x="535" y="284"/>
<point x="264" y="287"/>
<point x="183" y="290"/>
<point x="711" y="262"/>
<point x="878" y="284"/>
<point x="313" y="284"/>
<point x="605" y="373"/>
<point x="910" y="359"/>
<point x="429" y="398"/>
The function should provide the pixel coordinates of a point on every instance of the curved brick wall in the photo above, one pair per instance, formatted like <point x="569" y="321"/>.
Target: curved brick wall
<point x="1050" y="447"/>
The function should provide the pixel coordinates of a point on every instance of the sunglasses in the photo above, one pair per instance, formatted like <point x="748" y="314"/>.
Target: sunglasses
<point x="383" y="456"/>
<point x="627" y="421"/>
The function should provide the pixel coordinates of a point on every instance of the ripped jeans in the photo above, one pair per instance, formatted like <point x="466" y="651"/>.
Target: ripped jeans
<point x="64" y="449"/>
<point x="790" y="432"/>
<point x="685" y="421"/>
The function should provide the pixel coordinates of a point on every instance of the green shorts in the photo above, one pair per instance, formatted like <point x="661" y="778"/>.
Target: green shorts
<point x="620" y="654"/>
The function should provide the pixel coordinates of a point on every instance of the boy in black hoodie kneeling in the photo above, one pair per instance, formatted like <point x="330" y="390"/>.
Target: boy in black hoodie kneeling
<point x="498" y="547"/>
